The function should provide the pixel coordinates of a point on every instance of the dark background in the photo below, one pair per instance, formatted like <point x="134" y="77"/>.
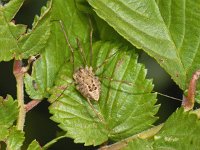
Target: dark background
<point x="38" y="125"/>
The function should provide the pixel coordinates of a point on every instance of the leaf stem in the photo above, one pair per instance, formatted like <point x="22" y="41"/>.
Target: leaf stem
<point x="19" y="75"/>
<point x="188" y="102"/>
<point x="30" y="105"/>
<point x="53" y="141"/>
<point x="143" y="135"/>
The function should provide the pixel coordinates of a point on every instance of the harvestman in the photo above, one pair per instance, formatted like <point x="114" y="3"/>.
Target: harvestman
<point x="85" y="80"/>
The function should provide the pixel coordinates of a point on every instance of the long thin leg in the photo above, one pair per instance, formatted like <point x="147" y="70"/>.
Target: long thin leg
<point x="105" y="61"/>
<point x="131" y="84"/>
<point x="91" y="50"/>
<point x="65" y="88"/>
<point x="98" y="115"/>
<point x="81" y="51"/>
<point x="121" y="81"/>
<point x="164" y="95"/>
<point x="68" y="43"/>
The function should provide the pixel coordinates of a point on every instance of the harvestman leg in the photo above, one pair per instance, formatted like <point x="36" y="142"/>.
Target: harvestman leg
<point x="67" y="41"/>
<point x="97" y="113"/>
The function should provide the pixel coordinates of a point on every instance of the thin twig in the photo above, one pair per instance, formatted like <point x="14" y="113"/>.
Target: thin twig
<point x="19" y="71"/>
<point x="30" y="105"/>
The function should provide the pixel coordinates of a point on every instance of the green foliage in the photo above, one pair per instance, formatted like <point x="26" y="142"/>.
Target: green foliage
<point x="9" y="31"/>
<point x="55" y="53"/>
<point x="34" y="146"/>
<point x="8" y="133"/>
<point x="8" y="111"/>
<point x="35" y="39"/>
<point x="181" y="131"/>
<point x="117" y="99"/>
<point x="15" y="139"/>
<point x="8" y="114"/>
<point x="140" y="144"/>
<point x="16" y="42"/>
<point x="167" y="31"/>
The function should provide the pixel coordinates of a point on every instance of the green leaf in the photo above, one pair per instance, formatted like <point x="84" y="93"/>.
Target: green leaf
<point x="126" y="109"/>
<point x="181" y="131"/>
<point x="3" y="133"/>
<point x="8" y="114"/>
<point x="197" y="96"/>
<point x="167" y="31"/>
<point x="45" y="68"/>
<point x="15" y="42"/>
<point x="9" y="31"/>
<point x="15" y="139"/>
<point x="11" y="8"/>
<point x="34" y="146"/>
<point x="35" y="39"/>
<point x="8" y="111"/>
<point x="103" y="29"/>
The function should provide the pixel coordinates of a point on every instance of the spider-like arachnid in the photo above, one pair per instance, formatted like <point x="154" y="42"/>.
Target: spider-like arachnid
<point x="87" y="81"/>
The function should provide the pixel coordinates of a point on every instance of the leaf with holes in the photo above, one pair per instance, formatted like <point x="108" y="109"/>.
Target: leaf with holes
<point x="126" y="109"/>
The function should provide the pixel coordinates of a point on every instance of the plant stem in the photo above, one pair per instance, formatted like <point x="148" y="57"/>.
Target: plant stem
<point x="53" y="141"/>
<point x="31" y="105"/>
<point x="188" y="102"/>
<point x="143" y="135"/>
<point x="19" y="75"/>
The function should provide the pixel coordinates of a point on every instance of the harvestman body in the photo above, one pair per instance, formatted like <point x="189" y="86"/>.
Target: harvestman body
<point x="87" y="83"/>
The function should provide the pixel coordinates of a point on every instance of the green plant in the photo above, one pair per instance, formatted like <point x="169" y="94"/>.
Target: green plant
<point x="166" y="30"/>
